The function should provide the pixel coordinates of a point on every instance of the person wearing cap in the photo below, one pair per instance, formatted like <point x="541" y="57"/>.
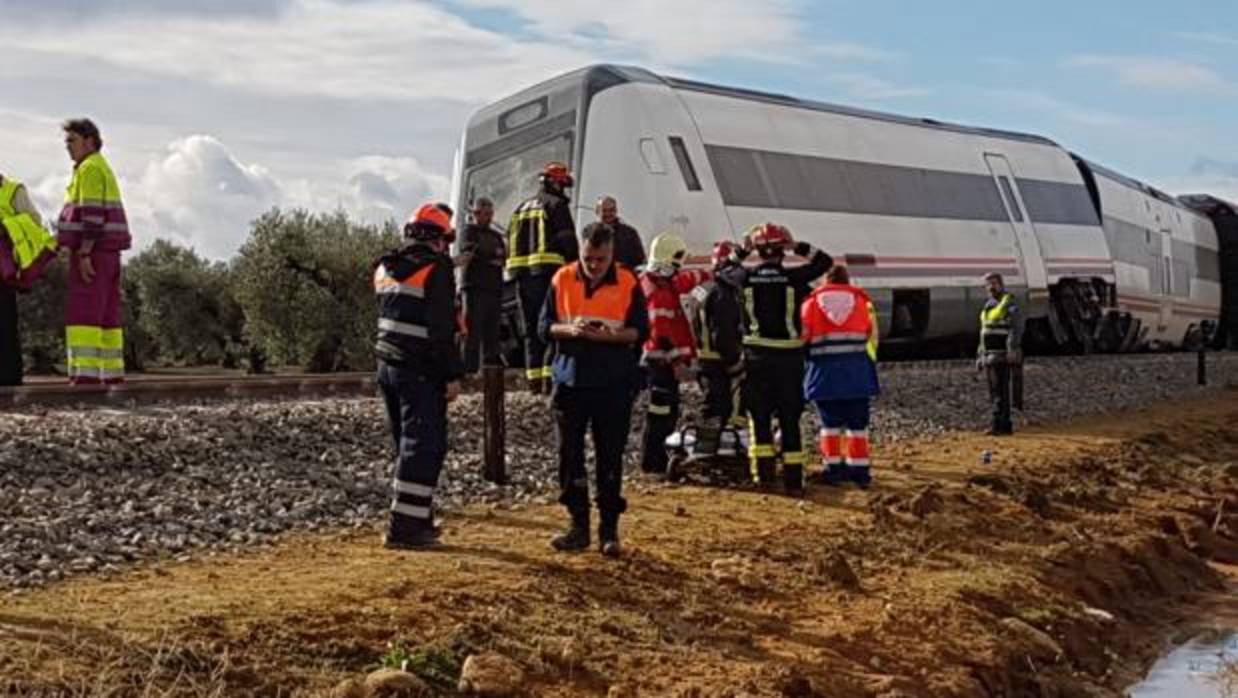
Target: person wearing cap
<point x="541" y="238"/>
<point x="418" y="367"/>
<point x="595" y="314"/>
<point x="629" y="250"/>
<point x="840" y="331"/>
<point x="773" y="289"/>
<point x="670" y="351"/>
<point x="1001" y="348"/>
<point x="483" y="253"/>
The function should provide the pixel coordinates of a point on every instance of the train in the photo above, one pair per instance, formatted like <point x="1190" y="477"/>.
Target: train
<point x="919" y="209"/>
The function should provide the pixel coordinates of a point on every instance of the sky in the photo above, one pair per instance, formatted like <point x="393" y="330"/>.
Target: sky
<point x="213" y="112"/>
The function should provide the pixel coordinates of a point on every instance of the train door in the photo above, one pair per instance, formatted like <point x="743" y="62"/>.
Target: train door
<point x="1026" y="243"/>
<point x="1167" y="279"/>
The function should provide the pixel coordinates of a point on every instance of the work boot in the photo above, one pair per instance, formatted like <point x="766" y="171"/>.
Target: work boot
<point x="410" y="534"/>
<point x="835" y="475"/>
<point x="576" y="537"/>
<point x="860" y="475"/>
<point x="767" y="469"/>
<point x="793" y="479"/>
<point x="608" y="537"/>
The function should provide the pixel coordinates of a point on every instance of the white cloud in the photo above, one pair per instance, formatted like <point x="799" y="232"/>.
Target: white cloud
<point x="1153" y="72"/>
<point x="1077" y="114"/>
<point x="871" y="87"/>
<point x="1208" y="38"/>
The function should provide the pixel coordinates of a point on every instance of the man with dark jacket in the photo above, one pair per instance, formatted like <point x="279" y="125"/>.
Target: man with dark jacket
<point x="541" y="237"/>
<point x="773" y="290"/>
<point x="483" y="253"/>
<point x="595" y="314"/>
<point x="418" y="368"/>
<point x="629" y="250"/>
<point x="718" y="329"/>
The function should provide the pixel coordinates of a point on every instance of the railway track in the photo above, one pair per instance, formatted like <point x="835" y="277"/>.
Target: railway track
<point x="149" y="389"/>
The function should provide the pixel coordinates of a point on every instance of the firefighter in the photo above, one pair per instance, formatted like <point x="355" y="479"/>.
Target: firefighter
<point x="483" y="253"/>
<point x="25" y="249"/>
<point x="418" y="368"/>
<point x="94" y="229"/>
<point x="541" y="239"/>
<point x="717" y="327"/>
<point x="840" y="330"/>
<point x="772" y="291"/>
<point x="1001" y="348"/>
<point x="595" y="314"/>
<point x="670" y="350"/>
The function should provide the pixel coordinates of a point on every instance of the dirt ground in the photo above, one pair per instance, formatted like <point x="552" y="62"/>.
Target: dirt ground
<point x="1060" y="569"/>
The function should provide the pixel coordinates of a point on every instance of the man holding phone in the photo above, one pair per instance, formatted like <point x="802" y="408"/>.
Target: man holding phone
<point x="595" y="314"/>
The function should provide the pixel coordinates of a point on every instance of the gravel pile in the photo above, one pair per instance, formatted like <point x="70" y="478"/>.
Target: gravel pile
<point x="93" y="489"/>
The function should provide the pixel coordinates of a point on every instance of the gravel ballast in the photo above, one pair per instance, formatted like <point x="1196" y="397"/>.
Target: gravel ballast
<point x="92" y="490"/>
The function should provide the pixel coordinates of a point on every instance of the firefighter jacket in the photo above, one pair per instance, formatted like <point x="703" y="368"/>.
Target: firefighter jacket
<point x="1001" y="331"/>
<point x="541" y="236"/>
<point x="416" y="291"/>
<point x="92" y="208"/>
<point x="840" y="332"/>
<point x="615" y="302"/>
<point x="771" y="292"/>
<point x="717" y="324"/>
<point x="26" y="248"/>
<point x="670" y="333"/>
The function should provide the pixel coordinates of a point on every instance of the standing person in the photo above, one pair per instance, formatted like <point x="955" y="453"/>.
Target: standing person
<point x="418" y="368"/>
<point x="1001" y="347"/>
<point x="25" y="247"/>
<point x="840" y="329"/>
<point x="629" y="250"/>
<point x="773" y="291"/>
<point x="670" y="349"/>
<point x="93" y="227"/>
<point x="595" y="314"/>
<point x="484" y="253"/>
<point x="718" y="331"/>
<point x="541" y="239"/>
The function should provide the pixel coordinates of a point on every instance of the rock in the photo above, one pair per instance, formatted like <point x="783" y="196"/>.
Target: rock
<point x="835" y="568"/>
<point x="352" y="688"/>
<point x="491" y="675"/>
<point x="1031" y="640"/>
<point x="393" y="683"/>
<point x="1099" y="614"/>
<point x="621" y="691"/>
<point x="680" y="510"/>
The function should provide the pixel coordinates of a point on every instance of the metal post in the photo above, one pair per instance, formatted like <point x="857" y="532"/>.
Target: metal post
<point x="1201" y="368"/>
<point x="494" y="436"/>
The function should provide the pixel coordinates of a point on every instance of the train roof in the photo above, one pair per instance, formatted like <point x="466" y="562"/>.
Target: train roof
<point x="1209" y="205"/>
<point x="1137" y="185"/>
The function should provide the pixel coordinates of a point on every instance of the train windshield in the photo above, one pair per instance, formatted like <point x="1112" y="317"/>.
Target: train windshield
<point x="513" y="178"/>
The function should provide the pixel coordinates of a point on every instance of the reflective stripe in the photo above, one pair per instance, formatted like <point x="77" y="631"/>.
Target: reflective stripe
<point x="404" y="328"/>
<point x="659" y="409"/>
<point x="412" y="488"/>
<point x="857" y="433"/>
<point x="609" y="322"/>
<point x="773" y="343"/>
<point x="708" y="355"/>
<point x="667" y="354"/>
<point x="395" y="287"/>
<point x="763" y="451"/>
<point x="841" y="337"/>
<point x="794" y="458"/>
<point x="861" y="462"/>
<point x="410" y="510"/>
<point x="850" y="348"/>
<point x="662" y="312"/>
<point x="549" y="258"/>
<point x="792" y="310"/>
<point x="831" y="432"/>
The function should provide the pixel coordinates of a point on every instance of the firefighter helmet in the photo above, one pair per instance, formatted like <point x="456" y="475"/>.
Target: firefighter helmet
<point x="770" y="235"/>
<point x="724" y="253"/>
<point x="430" y="222"/>
<point x="558" y="174"/>
<point x="668" y="249"/>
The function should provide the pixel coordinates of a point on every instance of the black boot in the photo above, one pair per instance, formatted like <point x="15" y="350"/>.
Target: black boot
<point x="575" y="538"/>
<point x="793" y="479"/>
<point x="608" y="535"/>
<point x="767" y="468"/>
<point x="407" y="533"/>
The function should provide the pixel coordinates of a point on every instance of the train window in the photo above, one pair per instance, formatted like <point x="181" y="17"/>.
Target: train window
<point x="685" y="163"/>
<point x="653" y="159"/>
<point x="1008" y="192"/>
<point x="523" y="115"/>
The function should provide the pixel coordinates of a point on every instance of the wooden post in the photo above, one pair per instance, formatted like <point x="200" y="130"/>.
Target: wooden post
<point x="494" y="438"/>
<point x="1201" y="368"/>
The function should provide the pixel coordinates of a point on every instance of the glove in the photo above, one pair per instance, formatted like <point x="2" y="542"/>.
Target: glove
<point x="980" y="363"/>
<point x="803" y="249"/>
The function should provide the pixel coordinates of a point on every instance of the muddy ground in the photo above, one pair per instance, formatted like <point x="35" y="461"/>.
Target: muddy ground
<point x="1060" y="569"/>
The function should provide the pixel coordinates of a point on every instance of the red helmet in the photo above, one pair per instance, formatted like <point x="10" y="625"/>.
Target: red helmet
<point x="430" y="222"/>
<point x="558" y="174"/>
<point x="770" y="235"/>
<point x="724" y="251"/>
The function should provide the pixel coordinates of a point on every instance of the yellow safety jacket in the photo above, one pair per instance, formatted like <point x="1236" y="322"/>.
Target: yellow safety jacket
<point x="28" y="242"/>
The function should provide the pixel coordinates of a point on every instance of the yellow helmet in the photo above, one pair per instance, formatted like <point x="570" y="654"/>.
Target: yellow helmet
<point x="668" y="249"/>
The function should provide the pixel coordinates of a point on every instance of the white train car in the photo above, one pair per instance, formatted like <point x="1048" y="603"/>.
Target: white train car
<point x="919" y="209"/>
<point x="1166" y="259"/>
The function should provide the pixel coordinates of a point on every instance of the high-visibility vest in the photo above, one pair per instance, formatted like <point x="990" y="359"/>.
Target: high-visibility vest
<point x="995" y="325"/>
<point x="402" y="308"/>
<point x="30" y="246"/>
<point x="608" y="304"/>
<point x="92" y="203"/>
<point x="531" y="244"/>
<point x="840" y="319"/>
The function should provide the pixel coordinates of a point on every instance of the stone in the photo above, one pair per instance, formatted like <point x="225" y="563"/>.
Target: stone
<point x="491" y="675"/>
<point x="393" y="683"/>
<point x="1035" y="642"/>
